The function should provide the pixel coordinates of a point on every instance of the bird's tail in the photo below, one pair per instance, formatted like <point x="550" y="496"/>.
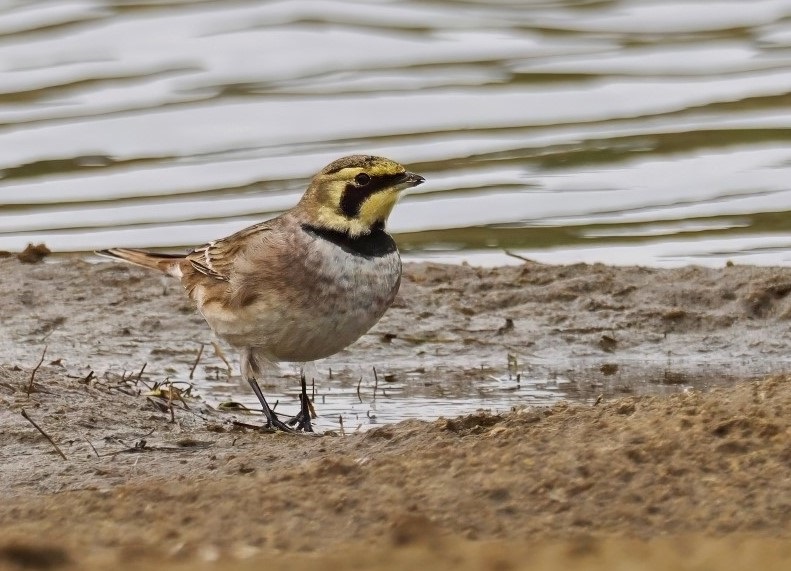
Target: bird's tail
<point x="166" y="263"/>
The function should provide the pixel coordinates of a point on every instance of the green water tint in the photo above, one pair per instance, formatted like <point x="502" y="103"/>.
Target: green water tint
<point x="621" y="132"/>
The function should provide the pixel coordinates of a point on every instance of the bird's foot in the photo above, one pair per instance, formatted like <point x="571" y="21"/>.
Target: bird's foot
<point x="300" y="422"/>
<point x="302" y="419"/>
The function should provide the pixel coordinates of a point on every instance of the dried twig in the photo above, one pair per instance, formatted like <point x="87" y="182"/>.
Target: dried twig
<point x="241" y="424"/>
<point x="143" y="368"/>
<point x="518" y="257"/>
<point x="33" y="375"/>
<point x="90" y="444"/>
<point x="161" y="407"/>
<point x="141" y="447"/>
<point x="170" y="405"/>
<point x="359" y="396"/>
<point x="37" y="427"/>
<point x="221" y="354"/>
<point x="197" y="360"/>
<point x="340" y="421"/>
<point x="376" y="382"/>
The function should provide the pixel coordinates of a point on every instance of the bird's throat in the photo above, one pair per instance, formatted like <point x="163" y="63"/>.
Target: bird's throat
<point x="371" y="245"/>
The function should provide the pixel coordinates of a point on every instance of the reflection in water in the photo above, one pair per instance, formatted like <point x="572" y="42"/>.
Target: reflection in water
<point x="362" y="401"/>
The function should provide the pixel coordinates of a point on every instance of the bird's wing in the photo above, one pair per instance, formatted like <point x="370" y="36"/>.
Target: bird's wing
<point x="216" y="259"/>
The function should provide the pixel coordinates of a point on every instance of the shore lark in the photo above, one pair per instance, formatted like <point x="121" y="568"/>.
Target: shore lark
<point x="306" y="284"/>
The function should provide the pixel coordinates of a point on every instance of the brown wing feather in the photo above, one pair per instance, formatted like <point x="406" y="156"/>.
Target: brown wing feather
<point x="216" y="259"/>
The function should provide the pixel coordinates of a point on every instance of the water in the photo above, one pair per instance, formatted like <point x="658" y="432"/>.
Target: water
<point x="354" y="399"/>
<point x="625" y="132"/>
<point x="633" y="131"/>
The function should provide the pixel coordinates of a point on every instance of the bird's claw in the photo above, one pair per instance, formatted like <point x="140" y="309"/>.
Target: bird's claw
<point x="299" y="422"/>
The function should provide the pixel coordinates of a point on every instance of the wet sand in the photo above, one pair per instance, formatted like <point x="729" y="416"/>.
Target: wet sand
<point x="695" y="479"/>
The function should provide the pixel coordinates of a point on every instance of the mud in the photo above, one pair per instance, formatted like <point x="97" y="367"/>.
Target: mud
<point x="600" y="330"/>
<point x="153" y="478"/>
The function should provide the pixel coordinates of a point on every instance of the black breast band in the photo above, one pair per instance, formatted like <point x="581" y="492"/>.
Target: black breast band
<point x="376" y="244"/>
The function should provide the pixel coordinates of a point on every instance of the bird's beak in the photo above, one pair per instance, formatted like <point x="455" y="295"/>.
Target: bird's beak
<point x="410" y="180"/>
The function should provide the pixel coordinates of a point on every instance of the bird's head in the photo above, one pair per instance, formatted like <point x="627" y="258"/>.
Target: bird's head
<point x="355" y="194"/>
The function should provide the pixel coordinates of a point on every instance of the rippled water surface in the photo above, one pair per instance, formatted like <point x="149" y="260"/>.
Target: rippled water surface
<point x="625" y="131"/>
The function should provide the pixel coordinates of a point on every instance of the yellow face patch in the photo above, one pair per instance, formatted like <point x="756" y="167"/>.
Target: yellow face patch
<point x="377" y="207"/>
<point x="355" y="194"/>
<point x="373" y="211"/>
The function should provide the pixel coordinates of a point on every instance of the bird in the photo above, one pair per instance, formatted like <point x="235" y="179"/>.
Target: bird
<point x="301" y="286"/>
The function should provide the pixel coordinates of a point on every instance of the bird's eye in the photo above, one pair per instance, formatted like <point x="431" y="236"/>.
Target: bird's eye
<point x="362" y="179"/>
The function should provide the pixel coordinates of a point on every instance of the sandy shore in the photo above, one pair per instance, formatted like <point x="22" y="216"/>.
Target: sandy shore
<point x="697" y="479"/>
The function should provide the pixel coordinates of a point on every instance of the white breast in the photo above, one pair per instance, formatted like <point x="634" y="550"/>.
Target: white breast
<point x="348" y="295"/>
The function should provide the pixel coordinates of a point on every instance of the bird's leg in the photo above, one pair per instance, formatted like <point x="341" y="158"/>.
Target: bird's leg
<point x="250" y="369"/>
<point x="302" y="419"/>
<point x="271" y="415"/>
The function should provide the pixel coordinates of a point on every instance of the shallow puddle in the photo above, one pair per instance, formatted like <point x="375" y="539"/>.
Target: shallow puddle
<point x="359" y="401"/>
